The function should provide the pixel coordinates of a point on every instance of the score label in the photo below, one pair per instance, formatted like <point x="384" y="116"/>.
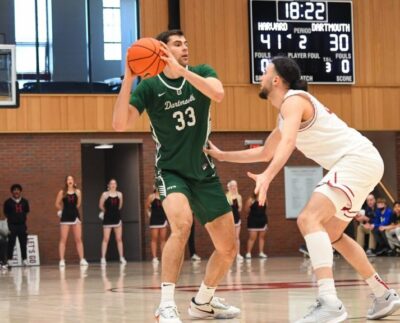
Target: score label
<point x="317" y="34"/>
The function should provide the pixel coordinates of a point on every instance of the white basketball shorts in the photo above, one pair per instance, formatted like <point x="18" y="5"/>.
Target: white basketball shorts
<point x="350" y="180"/>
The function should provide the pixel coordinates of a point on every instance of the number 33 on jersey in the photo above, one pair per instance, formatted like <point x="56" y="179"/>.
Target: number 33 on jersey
<point x="180" y="121"/>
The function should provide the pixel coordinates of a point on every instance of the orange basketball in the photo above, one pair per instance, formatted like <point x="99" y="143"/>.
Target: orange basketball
<point x="144" y="57"/>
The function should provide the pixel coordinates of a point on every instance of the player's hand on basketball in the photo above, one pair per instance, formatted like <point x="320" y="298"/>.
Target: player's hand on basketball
<point x="213" y="151"/>
<point x="129" y="75"/>
<point x="171" y="61"/>
<point x="262" y="185"/>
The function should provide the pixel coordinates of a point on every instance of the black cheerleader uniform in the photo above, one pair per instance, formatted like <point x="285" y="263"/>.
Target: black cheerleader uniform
<point x="70" y="212"/>
<point x="257" y="219"/>
<point x="112" y="214"/>
<point x="158" y="219"/>
<point x="235" y="211"/>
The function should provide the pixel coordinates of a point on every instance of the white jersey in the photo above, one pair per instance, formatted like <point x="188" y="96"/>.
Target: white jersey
<point x="326" y="138"/>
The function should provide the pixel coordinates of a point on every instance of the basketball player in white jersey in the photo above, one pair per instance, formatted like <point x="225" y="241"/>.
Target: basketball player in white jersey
<point x="355" y="168"/>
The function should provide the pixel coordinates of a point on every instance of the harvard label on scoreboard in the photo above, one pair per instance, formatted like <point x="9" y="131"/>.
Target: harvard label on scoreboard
<point x="317" y="34"/>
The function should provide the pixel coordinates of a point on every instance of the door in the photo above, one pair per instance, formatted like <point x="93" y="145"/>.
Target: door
<point x="98" y="167"/>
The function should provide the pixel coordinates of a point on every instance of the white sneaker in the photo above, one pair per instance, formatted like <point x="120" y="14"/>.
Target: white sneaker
<point x="83" y="262"/>
<point x="384" y="306"/>
<point x="62" y="263"/>
<point x="239" y="258"/>
<point x="215" y="309"/>
<point x="262" y="255"/>
<point x="167" y="314"/>
<point x="195" y="257"/>
<point x="321" y="312"/>
<point x="155" y="260"/>
<point x="103" y="262"/>
<point x="248" y="255"/>
<point x="122" y="261"/>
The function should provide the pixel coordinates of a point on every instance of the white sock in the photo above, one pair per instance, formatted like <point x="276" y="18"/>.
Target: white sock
<point x="205" y="294"/>
<point x="377" y="285"/>
<point x="167" y="293"/>
<point x="327" y="290"/>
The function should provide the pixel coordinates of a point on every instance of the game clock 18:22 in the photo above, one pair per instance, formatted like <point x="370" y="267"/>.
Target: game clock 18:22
<point x="317" y="34"/>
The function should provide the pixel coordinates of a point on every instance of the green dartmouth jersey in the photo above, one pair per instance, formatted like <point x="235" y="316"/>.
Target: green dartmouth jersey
<point x="180" y="122"/>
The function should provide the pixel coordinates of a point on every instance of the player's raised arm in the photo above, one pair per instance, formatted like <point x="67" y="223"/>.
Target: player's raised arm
<point x="253" y="155"/>
<point x="124" y="114"/>
<point x="292" y="111"/>
<point x="209" y="86"/>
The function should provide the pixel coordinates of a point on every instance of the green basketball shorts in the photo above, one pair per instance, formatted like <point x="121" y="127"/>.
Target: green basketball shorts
<point x="206" y="197"/>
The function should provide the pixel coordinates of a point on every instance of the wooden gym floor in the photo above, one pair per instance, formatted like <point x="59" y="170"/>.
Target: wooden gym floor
<point x="272" y="290"/>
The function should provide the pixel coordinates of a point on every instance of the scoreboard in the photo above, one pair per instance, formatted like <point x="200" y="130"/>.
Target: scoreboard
<point x="317" y="34"/>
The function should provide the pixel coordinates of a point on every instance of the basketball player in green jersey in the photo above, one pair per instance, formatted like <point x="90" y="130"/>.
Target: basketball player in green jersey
<point x="178" y="104"/>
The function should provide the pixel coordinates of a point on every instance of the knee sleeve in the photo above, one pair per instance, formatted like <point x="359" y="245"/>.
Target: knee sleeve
<point x="320" y="249"/>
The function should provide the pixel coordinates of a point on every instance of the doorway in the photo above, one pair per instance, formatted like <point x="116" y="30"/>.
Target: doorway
<point x="119" y="161"/>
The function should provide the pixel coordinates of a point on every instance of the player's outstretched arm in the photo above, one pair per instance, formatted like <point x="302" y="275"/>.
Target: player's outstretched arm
<point x="254" y="155"/>
<point x="124" y="114"/>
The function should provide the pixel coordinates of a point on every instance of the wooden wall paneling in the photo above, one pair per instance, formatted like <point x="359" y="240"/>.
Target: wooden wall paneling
<point x="18" y="120"/>
<point x="230" y="44"/>
<point x="211" y="48"/>
<point x="357" y="108"/>
<point x="218" y="35"/>
<point x="75" y="117"/>
<point x="63" y="102"/>
<point x="11" y="119"/>
<point x="153" y="17"/>
<point x="363" y="27"/>
<point x="90" y="112"/>
<point x="390" y="109"/>
<point x="243" y="42"/>
<point x="346" y="104"/>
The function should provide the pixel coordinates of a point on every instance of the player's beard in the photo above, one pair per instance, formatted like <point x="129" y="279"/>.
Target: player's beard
<point x="263" y="93"/>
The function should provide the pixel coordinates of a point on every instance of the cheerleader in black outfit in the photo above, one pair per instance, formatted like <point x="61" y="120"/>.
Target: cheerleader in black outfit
<point x="110" y="205"/>
<point x="68" y="201"/>
<point x="158" y="223"/>
<point x="257" y="225"/>
<point x="235" y="201"/>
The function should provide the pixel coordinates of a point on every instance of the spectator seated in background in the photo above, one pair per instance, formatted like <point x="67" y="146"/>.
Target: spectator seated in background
<point x="392" y="231"/>
<point x="366" y="219"/>
<point x="383" y="215"/>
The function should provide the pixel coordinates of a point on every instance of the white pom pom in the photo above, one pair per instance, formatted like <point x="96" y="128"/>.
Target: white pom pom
<point x="59" y="213"/>
<point x="101" y="215"/>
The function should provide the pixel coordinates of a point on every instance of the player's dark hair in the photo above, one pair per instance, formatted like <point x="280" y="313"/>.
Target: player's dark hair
<point x="289" y="70"/>
<point x="15" y="187"/>
<point x="164" y="36"/>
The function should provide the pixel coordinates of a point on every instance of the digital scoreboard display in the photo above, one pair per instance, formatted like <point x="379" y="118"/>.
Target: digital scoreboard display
<point x="317" y="34"/>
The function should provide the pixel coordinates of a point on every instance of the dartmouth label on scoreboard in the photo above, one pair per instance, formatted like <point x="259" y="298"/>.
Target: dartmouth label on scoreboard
<point x="317" y="34"/>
